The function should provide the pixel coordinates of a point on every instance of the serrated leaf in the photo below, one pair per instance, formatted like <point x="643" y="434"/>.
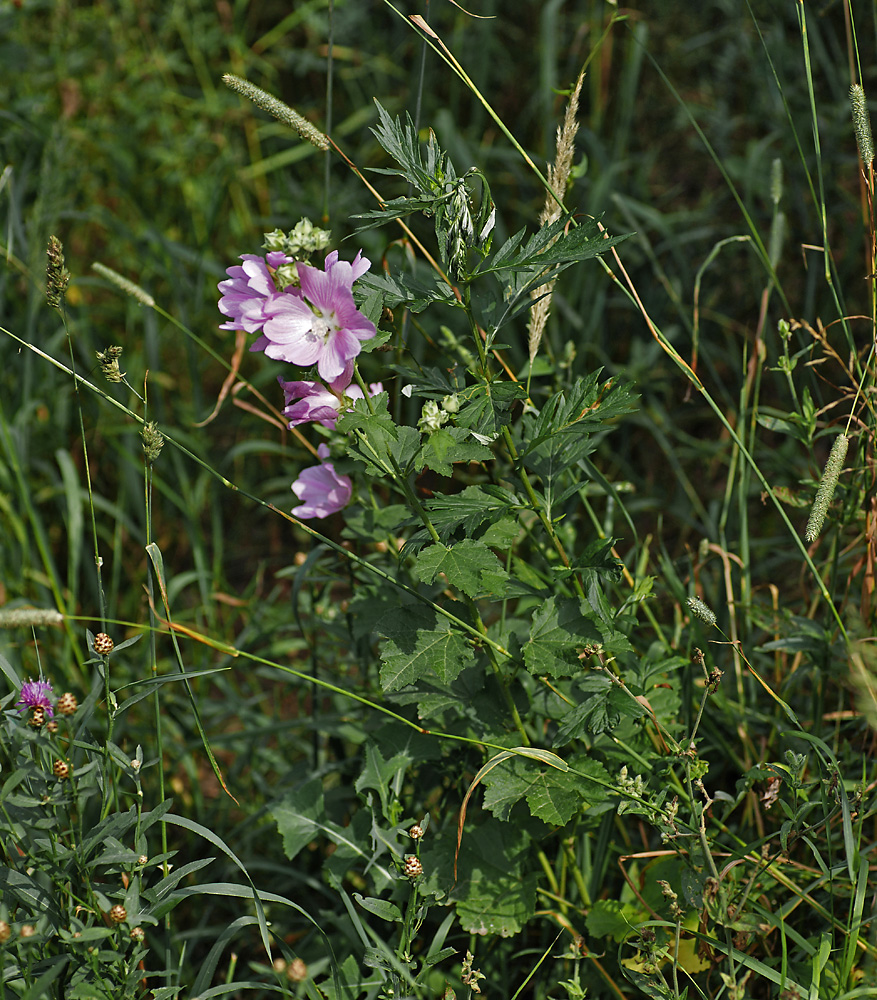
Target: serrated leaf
<point x="469" y="565"/>
<point x="557" y="437"/>
<point x="553" y="796"/>
<point x="396" y="289"/>
<point x="486" y="407"/>
<point x="470" y="509"/>
<point x="299" y="816"/>
<point x="551" y="245"/>
<point x="607" y="919"/>
<point x="379" y="774"/>
<point x="558" y="631"/>
<point x="421" y="644"/>
<point x="449" y="445"/>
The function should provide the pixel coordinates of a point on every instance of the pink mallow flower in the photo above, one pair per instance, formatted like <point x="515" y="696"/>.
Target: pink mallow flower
<point x="327" y="329"/>
<point x="35" y="694"/>
<point x="313" y="401"/>
<point x="246" y="290"/>
<point x="321" y="490"/>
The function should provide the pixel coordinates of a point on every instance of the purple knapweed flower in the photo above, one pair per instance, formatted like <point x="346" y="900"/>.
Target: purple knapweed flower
<point x="35" y="694"/>
<point x="313" y="401"/>
<point x="321" y="490"/>
<point x="247" y="289"/>
<point x="322" y="326"/>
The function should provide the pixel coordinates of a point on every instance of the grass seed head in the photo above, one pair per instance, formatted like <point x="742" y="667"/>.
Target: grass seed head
<point x="827" y="486"/>
<point x="862" y="124"/>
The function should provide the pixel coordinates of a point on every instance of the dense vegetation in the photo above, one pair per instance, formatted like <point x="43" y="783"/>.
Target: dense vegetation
<point x="619" y="674"/>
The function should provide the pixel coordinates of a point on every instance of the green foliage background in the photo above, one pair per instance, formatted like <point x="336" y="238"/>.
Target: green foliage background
<point x="119" y="137"/>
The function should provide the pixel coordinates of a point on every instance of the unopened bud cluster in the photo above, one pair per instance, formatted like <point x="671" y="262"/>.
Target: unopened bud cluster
<point x="67" y="704"/>
<point x="413" y="868"/>
<point x="103" y="644"/>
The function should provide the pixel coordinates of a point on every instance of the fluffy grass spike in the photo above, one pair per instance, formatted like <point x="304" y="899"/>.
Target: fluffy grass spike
<point x="135" y="291"/>
<point x="282" y="112"/>
<point x="827" y="486"/>
<point x="701" y="610"/>
<point x="18" y="617"/>
<point x="558" y="176"/>
<point x="862" y="124"/>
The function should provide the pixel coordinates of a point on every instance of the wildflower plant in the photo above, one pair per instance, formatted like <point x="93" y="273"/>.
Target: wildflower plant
<point x="508" y="731"/>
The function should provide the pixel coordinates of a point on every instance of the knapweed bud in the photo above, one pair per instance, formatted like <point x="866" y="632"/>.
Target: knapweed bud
<point x="413" y="868"/>
<point x="27" y="931"/>
<point x="827" y="486"/>
<point x="138" y="935"/>
<point x="103" y="644"/>
<point x="142" y="860"/>
<point x="57" y="275"/>
<point x="5" y="932"/>
<point x="700" y="610"/>
<point x="67" y="703"/>
<point x="297" y="971"/>
<point x="282" y="112"/>
<point x="416" y="832"/>
<point x="118" y="914"/>
<point x="153" y="441"/>
<point x="37" y="717"/>
<point x="61" y="770"/>
<point x="862" y="124"/>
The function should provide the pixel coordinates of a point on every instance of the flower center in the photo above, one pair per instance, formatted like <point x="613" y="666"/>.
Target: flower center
<point x="325" y="324"/>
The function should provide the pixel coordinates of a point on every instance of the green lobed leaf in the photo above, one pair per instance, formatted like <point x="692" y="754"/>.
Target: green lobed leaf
<point x="553" y="796"/>
<point x="449" y="445"/>
<point x="470" y="509"/>
<point x="420" y="645"/>
<point x="469" y="565"/>
<point x="558" y="632"/>
<point x="486" y="407"/>
<point x="398" y="289"/>
<point x="300" y="816"/>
